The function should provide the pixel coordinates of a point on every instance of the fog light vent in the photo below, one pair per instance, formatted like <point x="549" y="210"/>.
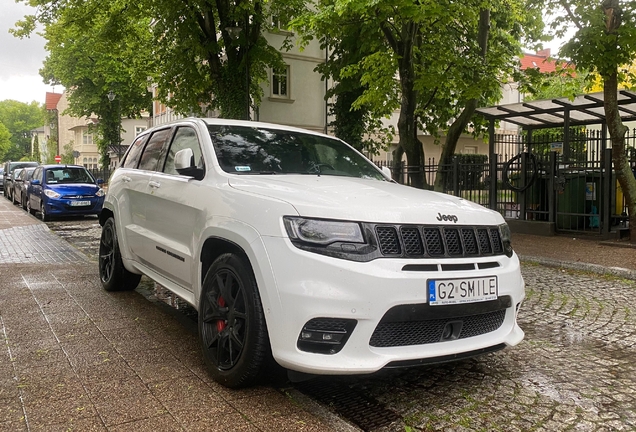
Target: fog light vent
<point x="325" y="335"/>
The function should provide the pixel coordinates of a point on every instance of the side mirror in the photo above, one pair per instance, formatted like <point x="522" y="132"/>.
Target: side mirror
<point x="100" y="181"/>
<point x="387" y="172"/>
<point x="184" y="164"/>
<point x="35" y="182"/>
<point x="184" y="159"/>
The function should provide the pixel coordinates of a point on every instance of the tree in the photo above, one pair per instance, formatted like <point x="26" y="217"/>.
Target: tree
<point x="432" y="48"/>
<point x="202" y="55"/>
<point x="36" y="149"/>
<point x="604" y="43"/>
<point x="20" y="119"/>
<point x="5" y="141"/>
<point x="94" y="51"/>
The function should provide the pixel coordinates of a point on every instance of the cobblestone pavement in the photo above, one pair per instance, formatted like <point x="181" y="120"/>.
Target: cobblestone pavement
<point x="575" y="370"/>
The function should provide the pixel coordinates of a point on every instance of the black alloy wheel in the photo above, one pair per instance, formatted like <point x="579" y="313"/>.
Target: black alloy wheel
<point x="112" y="273"/>
<point x="231" y="323"/>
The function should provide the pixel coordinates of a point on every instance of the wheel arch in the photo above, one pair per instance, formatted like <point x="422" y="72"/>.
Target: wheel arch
<point x="214" y="247"/>
<point x="104" y="215"/>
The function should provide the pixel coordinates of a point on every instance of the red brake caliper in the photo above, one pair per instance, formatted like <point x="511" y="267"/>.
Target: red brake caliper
<point x="220" y="324"/>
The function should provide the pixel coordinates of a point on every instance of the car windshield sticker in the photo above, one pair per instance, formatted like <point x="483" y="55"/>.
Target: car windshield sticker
<point x="242" y="168"/>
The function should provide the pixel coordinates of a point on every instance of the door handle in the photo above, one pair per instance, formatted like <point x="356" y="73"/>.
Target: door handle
<point x="154" y="184"/>
<point x="126" y="179"/>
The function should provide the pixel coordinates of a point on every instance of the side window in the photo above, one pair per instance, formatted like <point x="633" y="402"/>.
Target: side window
<point x="185" y="137"/>
<point x="132" y="157"/>
<point x="37" y="174"/>
<point x="151" y="153"/>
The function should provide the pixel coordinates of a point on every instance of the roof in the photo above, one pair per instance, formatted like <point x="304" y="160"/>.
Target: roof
<point x="582" y="110"/>
<point x="52" y="99"/>
<point x="540" y="60"/>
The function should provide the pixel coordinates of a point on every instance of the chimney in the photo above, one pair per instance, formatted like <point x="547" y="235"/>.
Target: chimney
<point x="544" y="53"/>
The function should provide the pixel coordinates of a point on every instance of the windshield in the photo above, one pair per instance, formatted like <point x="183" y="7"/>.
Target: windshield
<point x="251" y="150"/>
<point x="68" y="175"/>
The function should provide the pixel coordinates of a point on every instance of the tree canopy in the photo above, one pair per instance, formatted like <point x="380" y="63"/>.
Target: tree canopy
<point x="19" y="119"/>
<point x="423" y="58"/>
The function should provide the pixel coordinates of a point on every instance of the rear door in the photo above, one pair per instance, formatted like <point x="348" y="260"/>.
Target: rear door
<point x="174" y="211"/>
<point x="131" y="188"/>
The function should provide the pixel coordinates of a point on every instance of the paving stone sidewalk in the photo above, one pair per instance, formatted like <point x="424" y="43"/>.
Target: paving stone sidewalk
<point x="75" y="357"/>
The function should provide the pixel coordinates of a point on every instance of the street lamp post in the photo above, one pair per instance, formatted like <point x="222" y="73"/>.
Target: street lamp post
<point x="111" y="97"/>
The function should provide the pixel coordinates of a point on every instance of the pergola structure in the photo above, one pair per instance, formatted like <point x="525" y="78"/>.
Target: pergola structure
<point x="561" y="113"/>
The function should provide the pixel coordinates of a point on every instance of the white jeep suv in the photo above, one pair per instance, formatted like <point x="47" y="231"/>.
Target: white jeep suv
<point x="292" y="243"/>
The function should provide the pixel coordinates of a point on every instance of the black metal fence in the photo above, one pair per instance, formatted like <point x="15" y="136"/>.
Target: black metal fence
<point x="539" y="178"/>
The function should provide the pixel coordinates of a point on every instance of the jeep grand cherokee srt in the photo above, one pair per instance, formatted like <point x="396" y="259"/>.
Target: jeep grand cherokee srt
<point x="292" y="243"/>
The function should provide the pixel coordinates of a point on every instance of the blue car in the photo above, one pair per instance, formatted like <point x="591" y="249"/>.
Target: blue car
<point x="64" y="190"/>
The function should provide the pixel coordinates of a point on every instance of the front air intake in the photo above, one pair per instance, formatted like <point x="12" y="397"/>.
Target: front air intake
<point x="325" y="335"/>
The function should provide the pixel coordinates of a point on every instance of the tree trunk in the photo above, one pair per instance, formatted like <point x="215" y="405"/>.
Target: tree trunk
<point x="617" y="132"/>
<point x="455" y="130"/>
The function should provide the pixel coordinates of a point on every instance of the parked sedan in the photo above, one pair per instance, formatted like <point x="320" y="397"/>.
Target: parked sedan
<point x="20" y="184"/>
<point x="64" y="190"/>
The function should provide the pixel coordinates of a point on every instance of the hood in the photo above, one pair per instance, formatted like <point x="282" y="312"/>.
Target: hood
<point x="349" y="198"/>
<point x="74" y="189"/>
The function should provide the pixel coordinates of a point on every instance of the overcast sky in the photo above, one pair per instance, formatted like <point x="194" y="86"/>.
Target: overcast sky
<point x="20" y="59"/>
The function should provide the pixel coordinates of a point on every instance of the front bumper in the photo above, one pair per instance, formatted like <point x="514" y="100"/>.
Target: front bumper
<point x="309" y="286"/>
<point x="63" y="207"/>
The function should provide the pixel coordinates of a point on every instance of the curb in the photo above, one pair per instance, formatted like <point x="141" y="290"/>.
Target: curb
<point x="592" y="268"/>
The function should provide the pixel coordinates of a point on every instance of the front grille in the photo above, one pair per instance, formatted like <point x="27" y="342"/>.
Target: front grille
<point x="438" y="242"/>
<point x="392" y="334"/>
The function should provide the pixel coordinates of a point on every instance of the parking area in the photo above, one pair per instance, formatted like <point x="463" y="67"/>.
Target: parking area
<point x="78" y="358"/>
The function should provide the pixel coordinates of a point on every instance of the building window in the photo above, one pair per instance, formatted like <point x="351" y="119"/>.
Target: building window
<point x="87" y="138"/>
<point x="139" y="129"/>
<point x="280" y="22"/>
<point x="280" y="82"/>
<point x="470" y="149"/>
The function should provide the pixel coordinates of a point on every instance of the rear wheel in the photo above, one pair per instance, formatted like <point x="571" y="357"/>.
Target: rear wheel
<point x="112" y="273"/>
<point x="28" y="207"/>
<point x="232" y="326"/>
<point x="24" y="203"/>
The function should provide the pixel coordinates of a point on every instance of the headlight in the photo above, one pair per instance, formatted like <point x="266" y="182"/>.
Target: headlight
<point x="504" y="231"/>
<point x="100" y="193"/>
<point x="323" y="232"/>
<point x="51" y="193"/>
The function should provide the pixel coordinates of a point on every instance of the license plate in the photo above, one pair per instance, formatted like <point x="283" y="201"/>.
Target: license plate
<point x="80" y="203"/>
<point x="465" y="290"/>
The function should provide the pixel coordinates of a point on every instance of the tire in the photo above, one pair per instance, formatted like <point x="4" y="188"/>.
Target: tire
<point x="112" y="273"/>
<point x="13" y="200"/>
<point x="29" y="209"/>
<point x="45" y="217"/>
<point x="24" y="203"/>
<point x="232" y="328"/>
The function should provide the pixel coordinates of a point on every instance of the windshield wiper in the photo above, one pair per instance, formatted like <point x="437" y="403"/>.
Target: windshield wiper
<point x="268" y="172"/>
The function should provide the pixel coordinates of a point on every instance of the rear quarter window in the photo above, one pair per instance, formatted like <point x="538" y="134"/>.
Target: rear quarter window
<point x="152" y="152"/>
<point x="132" y="157"/>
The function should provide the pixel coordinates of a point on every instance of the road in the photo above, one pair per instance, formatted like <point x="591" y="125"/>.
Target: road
<point x="575" y="370"/>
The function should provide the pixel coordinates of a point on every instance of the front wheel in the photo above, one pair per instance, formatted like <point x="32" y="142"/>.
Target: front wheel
<point x="24" y="203"/>
<point x="45" y="217"/>
<point x="232" y="326"/>
<point x="112" y="273"/>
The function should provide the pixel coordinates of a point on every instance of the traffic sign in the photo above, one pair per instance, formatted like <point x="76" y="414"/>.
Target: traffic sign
<point x="58" y="158"/>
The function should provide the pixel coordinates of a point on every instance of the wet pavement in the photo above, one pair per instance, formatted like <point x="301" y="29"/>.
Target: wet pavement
<point x="79" y="358"/>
